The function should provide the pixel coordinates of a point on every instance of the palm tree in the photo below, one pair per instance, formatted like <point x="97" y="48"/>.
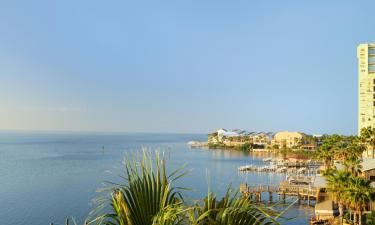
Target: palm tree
<point x="146" y="194"/>
<point x="147" y="197"/>
<point x="326" y="153"/>
<point x="358" y="193"/>
<point x="230" y="210"/>
<point x="353" y="164"/>
<point x="337" y="182"/>
<point x="368" y="136"/>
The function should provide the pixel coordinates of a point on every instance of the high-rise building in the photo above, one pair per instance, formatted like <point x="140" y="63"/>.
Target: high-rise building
<point x="366" y="88"/>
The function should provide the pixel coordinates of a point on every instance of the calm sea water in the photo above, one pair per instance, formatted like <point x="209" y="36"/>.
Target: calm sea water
<point x="46" y="177"/>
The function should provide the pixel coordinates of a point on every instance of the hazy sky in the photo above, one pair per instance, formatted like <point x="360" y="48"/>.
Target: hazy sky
<point x="181" y="65"/>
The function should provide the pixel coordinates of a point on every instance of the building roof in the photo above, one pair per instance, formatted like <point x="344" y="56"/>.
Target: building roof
<point x="248" y="133"/>
<point x="230" y="134"/>
<point x="327" y="207"/>
<point x="320" y="182"/>
<point x="368" y="164"/>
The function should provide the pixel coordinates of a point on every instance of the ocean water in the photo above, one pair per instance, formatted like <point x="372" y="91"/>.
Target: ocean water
<point x="47" y="177"/>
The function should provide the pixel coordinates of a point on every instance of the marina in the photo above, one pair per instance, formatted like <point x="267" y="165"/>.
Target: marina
<point x="283" y="166"/>
<point x="301" y="187"/>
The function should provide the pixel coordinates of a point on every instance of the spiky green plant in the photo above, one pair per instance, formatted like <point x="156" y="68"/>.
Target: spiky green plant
<point x="146" y="194"/>
<point x="229" y="210"/>
<point x="147" y="197"/>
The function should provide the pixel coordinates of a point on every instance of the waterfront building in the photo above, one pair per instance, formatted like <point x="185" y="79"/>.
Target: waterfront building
<point x="368" y="169"/>
<point x="261" y="138"/>
<point x="287" y="139"/>
<point x="216" y="137"/>
<point x="368" y="172"/>
<point x="366" y="86"/>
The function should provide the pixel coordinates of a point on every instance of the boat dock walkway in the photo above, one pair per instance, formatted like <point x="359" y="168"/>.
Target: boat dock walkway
<point x="302" y="192"/>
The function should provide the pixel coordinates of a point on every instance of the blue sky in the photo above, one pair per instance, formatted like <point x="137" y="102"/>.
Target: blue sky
<point x="181" y="66"/>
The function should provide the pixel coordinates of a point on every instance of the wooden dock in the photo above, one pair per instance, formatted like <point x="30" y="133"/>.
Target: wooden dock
<point x="302" y="192"/>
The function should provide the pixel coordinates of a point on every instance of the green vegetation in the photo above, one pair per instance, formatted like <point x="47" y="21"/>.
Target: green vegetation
<point x="288" y="152"/>
<point x="370" y="218"/>
<point x="368" y="137"/>
<point x="148" y="197"/>
<point x="349" y="190"/>
<point x="216" y="146"/>
<point x="246" y="146"/>
<point x="341" y="148"/>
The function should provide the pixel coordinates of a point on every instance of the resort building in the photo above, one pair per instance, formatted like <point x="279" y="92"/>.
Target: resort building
<point x="217" y="136"/>
<point x="240" y="137"/>
<point x="366" y="86"/>
<point x="288" y="139"/>
<point x="263" y="140"/>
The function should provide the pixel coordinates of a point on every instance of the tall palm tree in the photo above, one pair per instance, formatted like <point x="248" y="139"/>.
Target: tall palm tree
<point x="353" y="165"/>
<point x="326" y="153"/>
<point x="358" y="193"/>
<point x="367" y="136"/>
<point x="337" y="184"/>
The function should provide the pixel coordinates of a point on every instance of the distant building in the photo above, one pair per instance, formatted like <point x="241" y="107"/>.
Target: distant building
<point x="238" y="137"/>
<point x="366" y="95"/>
<point x="216" y="137"/>
<point x="261" y="138"/>
<point x="288" y="139"/>
<point x="366" y="86"/>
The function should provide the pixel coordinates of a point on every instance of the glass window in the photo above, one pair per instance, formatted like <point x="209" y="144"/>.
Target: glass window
<point x="371" y="68"/>
<point x="371" y="59"/>
<point x="371" y="51"/>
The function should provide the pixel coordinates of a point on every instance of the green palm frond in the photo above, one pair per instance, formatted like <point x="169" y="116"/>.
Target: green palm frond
<point x="146" y="192"/>
<point x="232" y="209"/>
<point x="147" y="197"/>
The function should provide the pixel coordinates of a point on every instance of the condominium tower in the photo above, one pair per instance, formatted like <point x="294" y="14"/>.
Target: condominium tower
<point x="366" y="88"/>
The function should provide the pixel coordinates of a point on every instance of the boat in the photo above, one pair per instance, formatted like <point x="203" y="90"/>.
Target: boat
<point x="197" y="144"/>
<point x="267" y="159"/>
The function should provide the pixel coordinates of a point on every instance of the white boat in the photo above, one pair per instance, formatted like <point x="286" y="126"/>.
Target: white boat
<point x="267" y="159"/>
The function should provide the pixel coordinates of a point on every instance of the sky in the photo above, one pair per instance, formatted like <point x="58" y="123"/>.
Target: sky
<point x="186" y="66"/>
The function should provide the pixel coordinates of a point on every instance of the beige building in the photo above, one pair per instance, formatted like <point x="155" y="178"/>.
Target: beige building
<point x="366" y="88"/>
<point x="287" y="139"/>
